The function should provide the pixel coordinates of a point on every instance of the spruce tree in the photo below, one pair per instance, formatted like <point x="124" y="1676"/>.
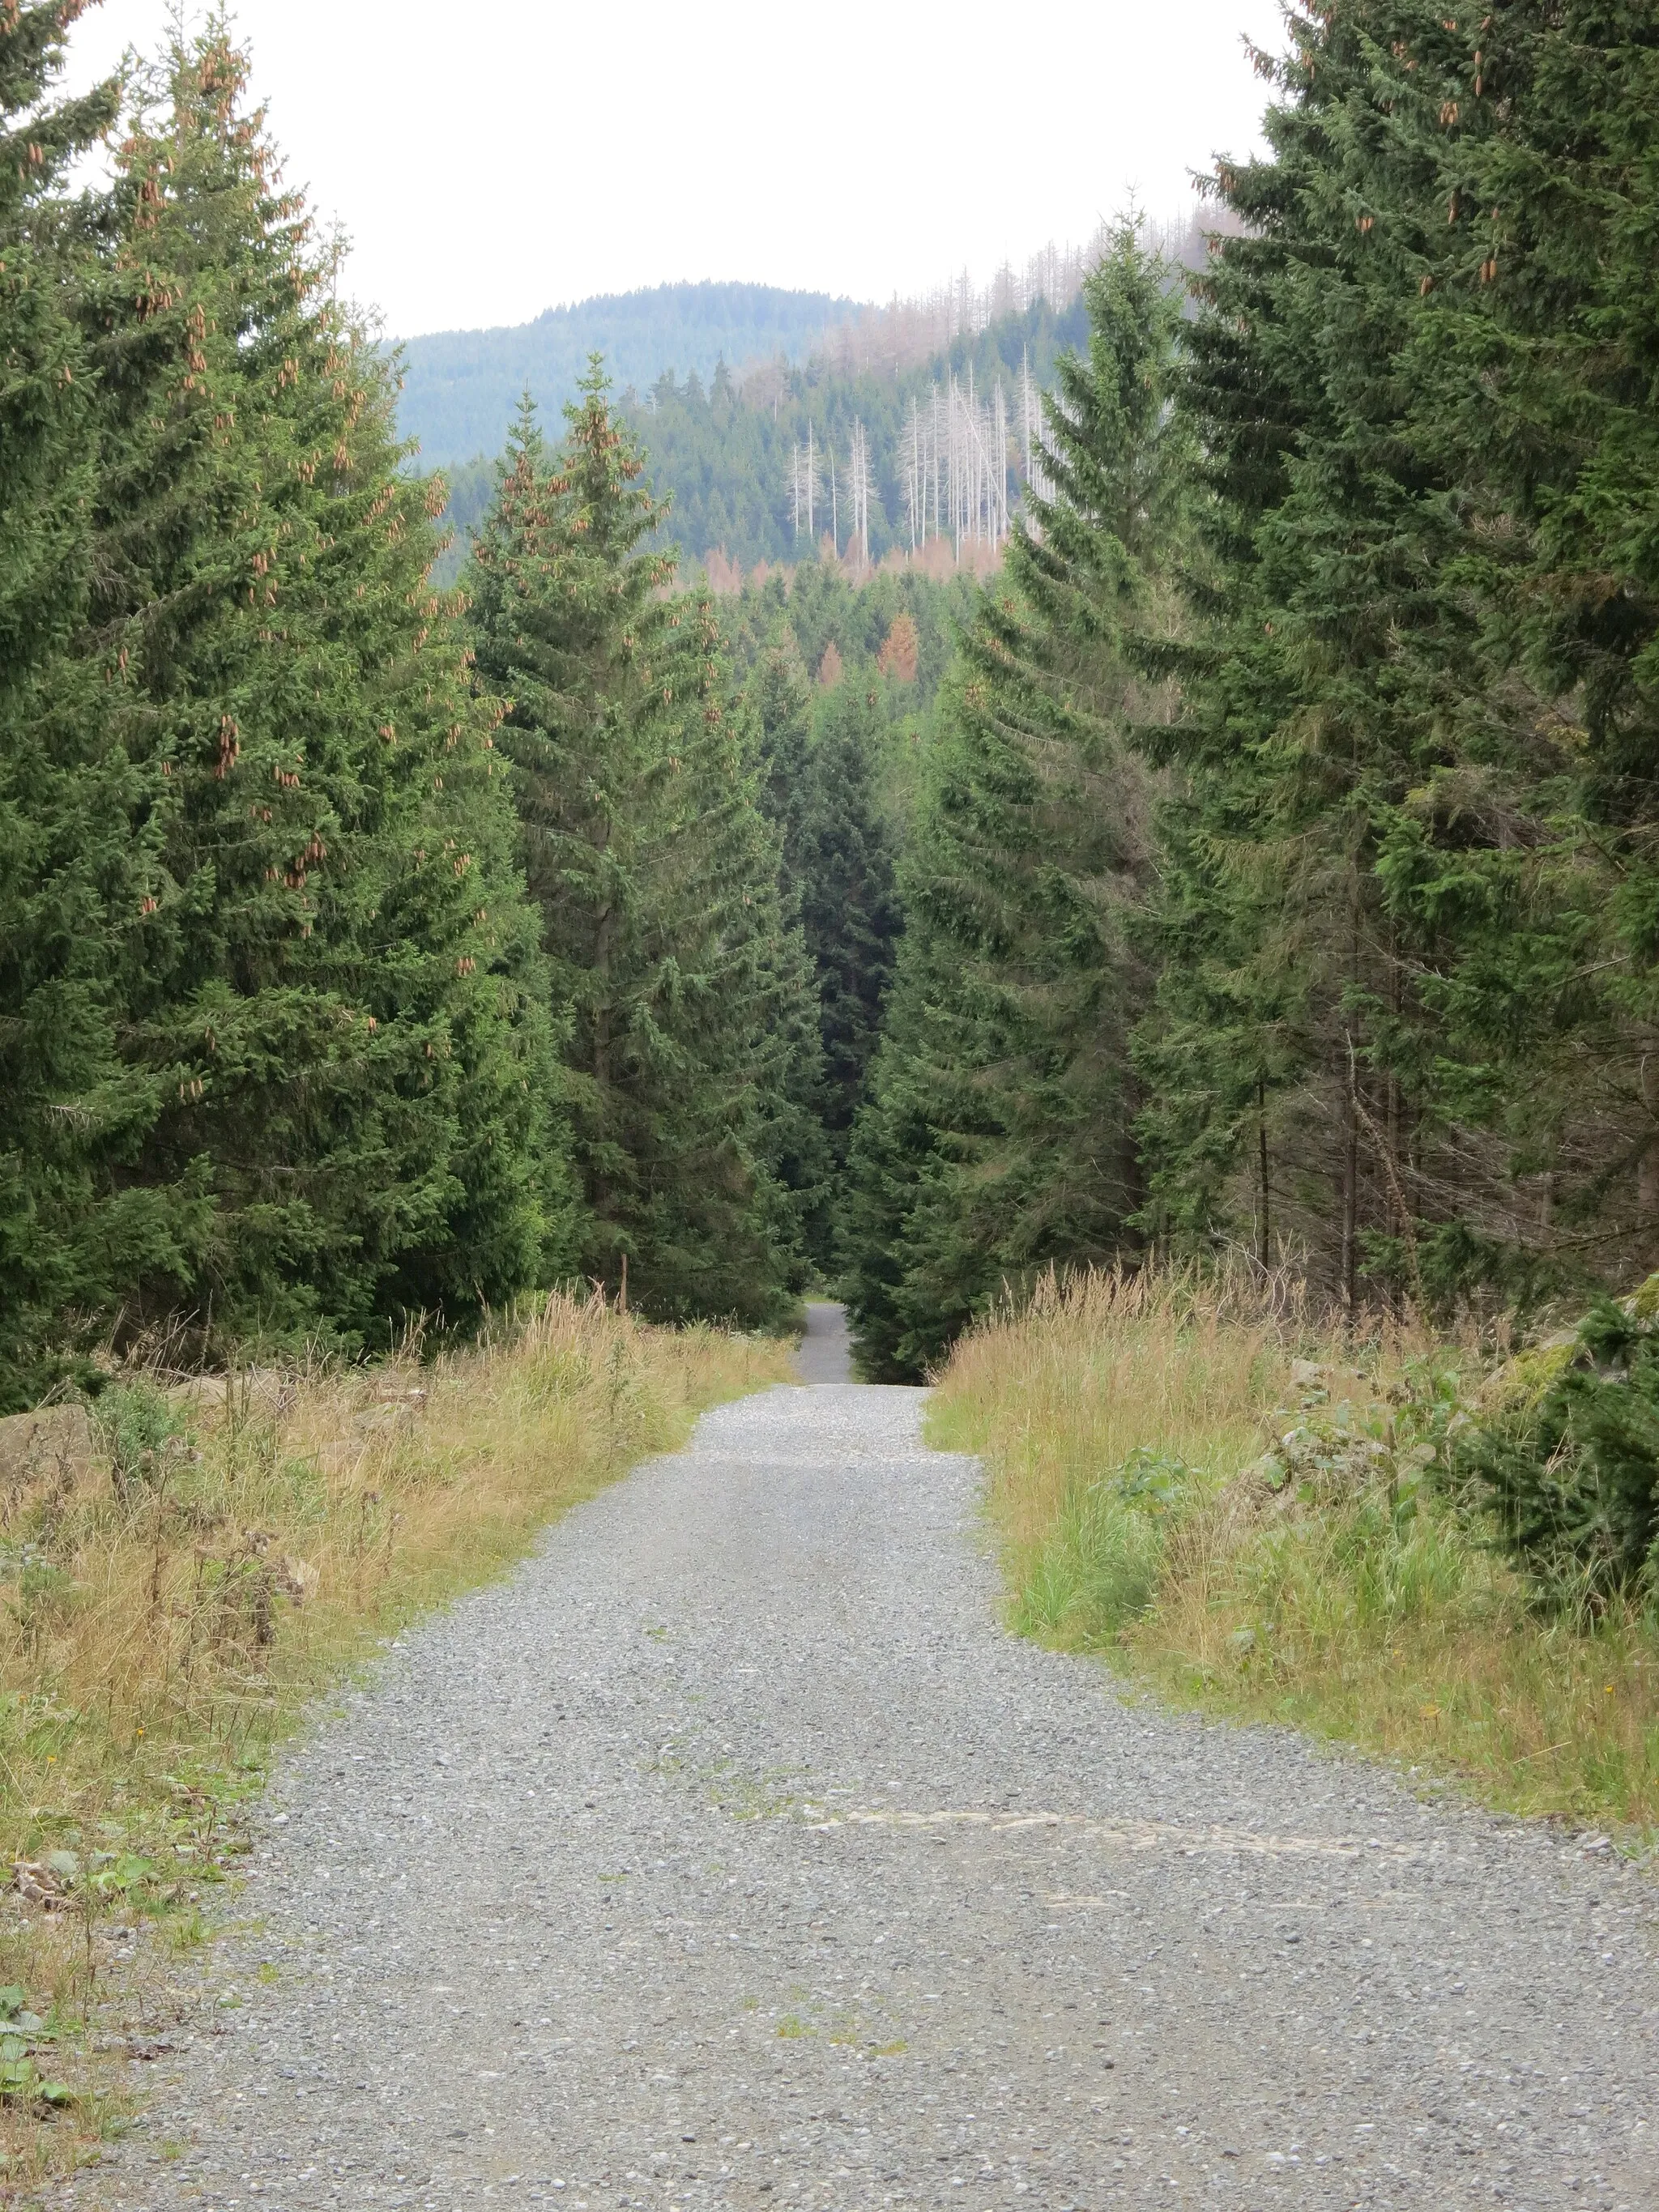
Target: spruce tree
<point x="899" y="1173"/>
<point x="44" y="477"/>
<point x="818" y="788"/>
<point x="839" y="856"/>
<point x="335" y="1022"/>
<point x="1297" y="735"/>
<point x="779" y="700"/>
<point x="1394" y="1027"/>
<point x="781" y="695"/>
<point x="656" y="876"/>
<point x="999" y="1137"/>
<point x="1532" y="366"/>
<point x="68" y="840"/>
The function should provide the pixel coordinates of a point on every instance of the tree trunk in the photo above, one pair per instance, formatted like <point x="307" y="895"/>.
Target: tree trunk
<point x="1351" y="1192"/>
<point x="1351" y="1148"/>
<point x="1647" y="1167"/>
<point x="1262" y="1137"/>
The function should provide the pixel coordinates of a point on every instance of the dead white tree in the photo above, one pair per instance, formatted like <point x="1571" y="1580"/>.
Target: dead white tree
<point x="971" y="461"/>
<point x="915" y="492"/>
<point x="962" y="463"/>
<point x="999" y="465"/>
<point x="934" y="426"/>
<point x="953" y="462"/>
<point x="860" y="483"/>
<point x="1036" y="453"/>
<point x="806" y="485"/>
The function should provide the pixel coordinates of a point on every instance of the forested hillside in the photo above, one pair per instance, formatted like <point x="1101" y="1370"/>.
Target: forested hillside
<point x="871" y="425"/>
<point x="461" y="388"/>
<point x="866" y="461"/>
<point x="884" y="459"/>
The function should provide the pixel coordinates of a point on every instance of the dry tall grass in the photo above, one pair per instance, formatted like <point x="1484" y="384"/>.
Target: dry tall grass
<point x="1254" y="1515"/>
<point x="1096" y="1367"/>
<point x="187" y="1571"/>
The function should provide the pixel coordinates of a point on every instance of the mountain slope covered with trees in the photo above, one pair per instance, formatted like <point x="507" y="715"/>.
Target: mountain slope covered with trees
<point x="461" y="389"/>
<point x="834" y="454"/>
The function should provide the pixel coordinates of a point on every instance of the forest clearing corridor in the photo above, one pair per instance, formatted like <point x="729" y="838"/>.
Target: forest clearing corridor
<point x="730" y="1853"/>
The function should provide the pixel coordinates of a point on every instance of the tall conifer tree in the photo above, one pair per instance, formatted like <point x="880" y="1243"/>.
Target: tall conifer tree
<point x="818" y="788"/>
<point x="67" y="862"/>
<point x="1533" y="370"/>
<point x="1394" y="1026"/>
<point x="779" y="700"/>
<point x="1000" y="1134"/>
<point x="840" y="858"/>
<point x="655" y="874"/>
<point x="335" y="1029"/>
<point x="1281" y="1062"/>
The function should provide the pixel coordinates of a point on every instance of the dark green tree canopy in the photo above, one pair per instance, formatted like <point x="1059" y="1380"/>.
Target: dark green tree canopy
<point x="69" y="866"/>
<point x="1404" y="1013"/>
<point x="654" y="871"/>
<point x="311" y="1093"/>
<point x="1000" y="1135"/>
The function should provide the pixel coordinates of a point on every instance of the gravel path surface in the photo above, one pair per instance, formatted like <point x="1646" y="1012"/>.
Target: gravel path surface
<point x="729" y="1854"/>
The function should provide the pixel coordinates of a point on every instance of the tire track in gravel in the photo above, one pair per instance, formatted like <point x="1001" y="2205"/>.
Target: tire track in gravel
<point x="729" y="1855"/>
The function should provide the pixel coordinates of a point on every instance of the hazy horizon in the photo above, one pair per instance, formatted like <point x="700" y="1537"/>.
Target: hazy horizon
<point x="874" y="172"/>
<point x="836" y="304"/>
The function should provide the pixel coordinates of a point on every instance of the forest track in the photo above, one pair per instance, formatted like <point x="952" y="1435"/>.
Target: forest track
<point x="729" y="1854"/>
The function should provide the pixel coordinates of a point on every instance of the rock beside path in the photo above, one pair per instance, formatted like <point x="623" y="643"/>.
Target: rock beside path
<point x="729" y="1854"/>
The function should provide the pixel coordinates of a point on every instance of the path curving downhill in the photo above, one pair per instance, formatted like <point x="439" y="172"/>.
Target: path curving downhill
<point x="730" y="1855"/>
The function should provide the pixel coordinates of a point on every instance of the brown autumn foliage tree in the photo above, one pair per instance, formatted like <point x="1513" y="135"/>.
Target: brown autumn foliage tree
<point x="901" y="652"/>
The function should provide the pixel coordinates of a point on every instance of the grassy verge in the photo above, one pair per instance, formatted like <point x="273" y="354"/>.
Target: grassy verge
<point x="180" y="1576"/>
<point x="1248" y="1515"/>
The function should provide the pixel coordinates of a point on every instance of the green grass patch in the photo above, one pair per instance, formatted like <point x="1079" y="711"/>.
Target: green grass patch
<point x="1260" y="1519"/>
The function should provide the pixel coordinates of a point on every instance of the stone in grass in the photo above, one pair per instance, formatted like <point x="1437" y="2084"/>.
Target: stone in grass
<point x="52" y="1435"/>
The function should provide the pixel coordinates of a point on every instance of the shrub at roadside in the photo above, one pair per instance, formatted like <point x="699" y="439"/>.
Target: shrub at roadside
<point x="1270" y="1521"/>
<point x="1571" y="1455"/>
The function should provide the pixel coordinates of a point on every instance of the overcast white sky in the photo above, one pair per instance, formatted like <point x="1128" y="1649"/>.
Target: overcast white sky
<point x="502" y="156"/>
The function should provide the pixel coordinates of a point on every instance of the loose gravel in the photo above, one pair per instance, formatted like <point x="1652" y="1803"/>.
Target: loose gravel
<point x="729" y="1854"/>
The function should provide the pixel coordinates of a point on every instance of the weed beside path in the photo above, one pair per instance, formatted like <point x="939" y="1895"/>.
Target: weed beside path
<point x="1247" y="1515"/>
<point x="190" y="1567"/>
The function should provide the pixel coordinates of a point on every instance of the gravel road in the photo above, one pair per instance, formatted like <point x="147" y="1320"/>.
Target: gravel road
<point x="729" y="1854"/>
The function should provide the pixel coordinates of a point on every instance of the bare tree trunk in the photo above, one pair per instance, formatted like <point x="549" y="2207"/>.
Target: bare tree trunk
<point x="1351" y="1190"/>
<point x="1351" y="1146"/>
<point x="1393" y="1100"/>
<point x="1266" y="1187"/>
<point x="1647" y="1167"/>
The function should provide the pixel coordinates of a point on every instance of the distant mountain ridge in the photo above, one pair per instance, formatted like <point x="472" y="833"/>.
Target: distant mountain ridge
<point x="735" y="458"/>
<point x="461" y="387"/>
